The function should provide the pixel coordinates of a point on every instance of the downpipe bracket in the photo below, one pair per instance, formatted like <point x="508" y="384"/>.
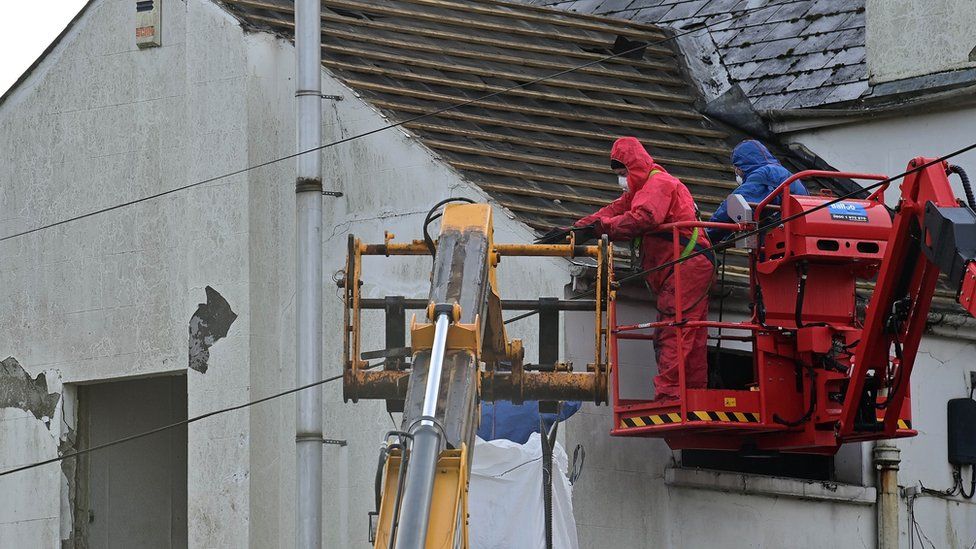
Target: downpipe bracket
<point x="306" y="184"/>
<point x="310" y="438"/>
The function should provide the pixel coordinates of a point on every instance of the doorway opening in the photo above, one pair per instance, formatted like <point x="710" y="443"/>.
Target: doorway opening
<point x="132" y="494"/>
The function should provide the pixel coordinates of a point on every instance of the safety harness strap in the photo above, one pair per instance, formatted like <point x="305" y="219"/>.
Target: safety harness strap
<point x="690" y="246"/>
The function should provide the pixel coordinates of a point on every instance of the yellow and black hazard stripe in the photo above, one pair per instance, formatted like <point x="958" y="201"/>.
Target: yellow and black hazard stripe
<point x="902" y="423"/>
<point x="644" y="421"/>
<point x="724" y="417"/>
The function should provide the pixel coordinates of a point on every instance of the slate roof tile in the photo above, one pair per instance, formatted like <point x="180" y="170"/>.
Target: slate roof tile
<point x="850" y="56"/>
<point x="718" y="7"/>
<point x="654" y="14"/>
<point x="779" y="49"/>
<point x="614" y="5"/>
<point x="798" y="37"/>
<point x="847" y="74"/>
<point x="787" y="29"/>
<point x="752" y="35"/>
<point x="841" y="92"/>
<point x="778" y="101"/>
<point x="745" y="71"/>
<point x="686" y="10"/>
<point x="828" y="23"/>
<point x="772" y="85"/>
<point x="812" y="79"/>
<point x="813" y="61"/>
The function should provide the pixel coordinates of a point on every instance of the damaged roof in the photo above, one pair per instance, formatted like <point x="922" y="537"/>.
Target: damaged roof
<point x="803" y="53"/>
<point x="540" y="151"/>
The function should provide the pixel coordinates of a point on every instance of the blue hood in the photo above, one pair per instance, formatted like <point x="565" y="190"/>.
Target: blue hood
<point x="750" y="155"/>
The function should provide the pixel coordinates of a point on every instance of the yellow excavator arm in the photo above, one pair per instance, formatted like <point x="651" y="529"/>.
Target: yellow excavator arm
<point x="460" y="354"/>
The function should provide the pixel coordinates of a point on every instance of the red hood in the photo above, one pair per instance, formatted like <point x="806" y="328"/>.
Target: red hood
<point x="630" y="152"/>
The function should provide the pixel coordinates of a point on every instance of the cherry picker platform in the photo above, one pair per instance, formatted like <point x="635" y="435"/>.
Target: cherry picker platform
<point x="822" y="375"/>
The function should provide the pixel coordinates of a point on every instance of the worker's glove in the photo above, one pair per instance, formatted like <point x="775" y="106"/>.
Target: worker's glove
<point x="554" y="236"/>
<point x="587" y="232"/>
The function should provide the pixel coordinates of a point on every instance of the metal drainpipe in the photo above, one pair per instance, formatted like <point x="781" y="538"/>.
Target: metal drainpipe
<point x="886" y="457"/>
<point x="308" y="283"/>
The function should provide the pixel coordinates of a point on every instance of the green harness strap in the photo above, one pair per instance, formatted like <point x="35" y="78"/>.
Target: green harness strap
<point x="691" y="244"/>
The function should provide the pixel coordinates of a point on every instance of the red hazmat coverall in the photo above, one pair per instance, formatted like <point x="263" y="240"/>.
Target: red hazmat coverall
<point x="654" y="198"/>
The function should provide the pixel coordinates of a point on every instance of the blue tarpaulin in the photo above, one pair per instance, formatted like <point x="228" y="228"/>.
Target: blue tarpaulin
<point x="516" y="422"/>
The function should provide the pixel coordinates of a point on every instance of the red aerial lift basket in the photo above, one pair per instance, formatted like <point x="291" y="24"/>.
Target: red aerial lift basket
<point x="804" y="333"/>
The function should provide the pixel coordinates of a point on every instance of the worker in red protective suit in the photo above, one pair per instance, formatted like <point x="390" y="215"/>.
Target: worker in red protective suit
<point x="653" y="197"/>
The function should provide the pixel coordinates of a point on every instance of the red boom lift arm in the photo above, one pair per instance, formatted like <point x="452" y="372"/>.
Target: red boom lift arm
<point x="931" y="233"/>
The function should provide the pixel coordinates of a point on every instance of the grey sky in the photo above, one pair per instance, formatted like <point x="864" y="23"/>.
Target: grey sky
<point x="26" y="29"/>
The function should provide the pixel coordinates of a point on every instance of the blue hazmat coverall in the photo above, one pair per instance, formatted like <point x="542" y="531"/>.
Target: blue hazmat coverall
<point x="761" y="174"/>
<point x="517" y="422"/>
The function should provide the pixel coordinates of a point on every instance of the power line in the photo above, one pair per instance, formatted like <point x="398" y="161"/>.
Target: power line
<point x="390" y="126"/>
<point x="741" y="236"/>
<point x="172" y="425"/>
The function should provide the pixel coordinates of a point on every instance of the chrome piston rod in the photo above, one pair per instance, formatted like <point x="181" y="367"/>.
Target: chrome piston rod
<point x="411" y="533"/>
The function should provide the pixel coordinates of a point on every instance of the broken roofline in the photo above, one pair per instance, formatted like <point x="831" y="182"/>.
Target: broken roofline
<point x="926" y="94"/>
<point x="771" y="54"/>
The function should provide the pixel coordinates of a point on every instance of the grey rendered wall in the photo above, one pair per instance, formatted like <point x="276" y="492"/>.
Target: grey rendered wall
<point x="110" y="297"/>
<point x="907" y="38"/>
<point x="887" y="145"/>
<point x="98" y="123"/>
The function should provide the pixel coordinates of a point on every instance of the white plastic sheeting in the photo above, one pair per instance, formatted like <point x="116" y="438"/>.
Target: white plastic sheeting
<point x="505" y="505"/>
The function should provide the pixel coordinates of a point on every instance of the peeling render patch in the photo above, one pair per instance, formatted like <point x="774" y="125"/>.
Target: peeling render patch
<point x="18" y="390"/>
<point x="210" y="323"/>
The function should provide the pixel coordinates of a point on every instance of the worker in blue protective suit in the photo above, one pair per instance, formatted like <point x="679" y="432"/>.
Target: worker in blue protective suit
<point x="517" y="422"/>
<point x="758" y="173"/>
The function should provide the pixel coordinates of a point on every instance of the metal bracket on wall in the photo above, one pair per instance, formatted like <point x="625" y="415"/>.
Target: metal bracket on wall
<point x="331" y="97"/>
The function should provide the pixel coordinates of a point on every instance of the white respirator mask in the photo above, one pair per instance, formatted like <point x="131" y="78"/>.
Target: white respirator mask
<point x="622" y="181"/>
